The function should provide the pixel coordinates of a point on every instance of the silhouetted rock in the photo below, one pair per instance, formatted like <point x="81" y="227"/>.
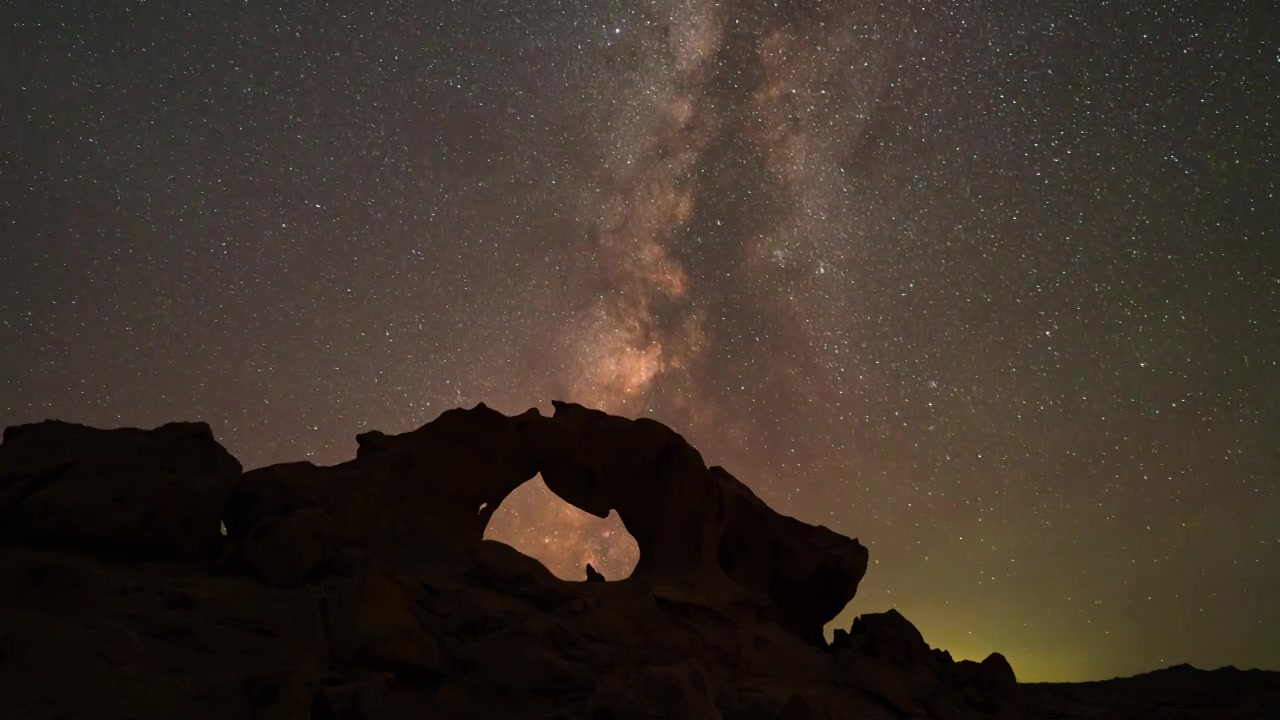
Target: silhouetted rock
<point x="365" y="590"/>
<point x="1181" y="691"/>
<point x="691" y="519"/>
<point x="996" y="675"/>
<point x="159" y="490"/>
<point x="888" y="635"/>
<point x="886" y="656"/>
<point x="428" y="493"/>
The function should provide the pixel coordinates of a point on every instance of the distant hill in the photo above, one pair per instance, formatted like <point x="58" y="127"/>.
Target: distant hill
<point x="1181" y="691"/>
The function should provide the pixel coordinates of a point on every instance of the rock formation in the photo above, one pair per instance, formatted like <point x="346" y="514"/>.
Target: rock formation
<point x="161" y="491"/>
<point x="366" y="589"/>
<point x="414" y="496"/>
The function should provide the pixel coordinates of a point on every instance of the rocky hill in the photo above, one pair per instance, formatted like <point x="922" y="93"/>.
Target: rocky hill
<point x="144" y="575"/>
<point x="1182" y="692"/>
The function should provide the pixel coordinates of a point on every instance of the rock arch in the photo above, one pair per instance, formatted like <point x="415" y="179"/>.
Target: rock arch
<point x="431" y="492"/>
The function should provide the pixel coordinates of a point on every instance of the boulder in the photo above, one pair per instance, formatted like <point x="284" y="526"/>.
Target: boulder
<point x="996" y="675"/>
<point x="161" y="491"/>
<point x="890" y="636"/>
<point x="988" y="687"/>
<point x="885" y="655"/>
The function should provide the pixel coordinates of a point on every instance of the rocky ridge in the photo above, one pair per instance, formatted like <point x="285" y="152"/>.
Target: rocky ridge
<point x="144" y="575"/>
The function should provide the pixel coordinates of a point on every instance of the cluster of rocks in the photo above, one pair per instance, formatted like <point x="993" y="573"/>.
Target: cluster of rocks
<point x="144" y="575"/>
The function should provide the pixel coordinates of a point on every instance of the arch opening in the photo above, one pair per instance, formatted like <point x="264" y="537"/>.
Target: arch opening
<point x="538" y="523"/>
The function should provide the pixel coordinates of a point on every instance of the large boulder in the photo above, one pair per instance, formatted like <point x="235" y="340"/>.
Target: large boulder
<point x="161" y="490"/>
<point x="996" y="675"/>
<point x="885" y="655"/>
<point x="886" y="635"/>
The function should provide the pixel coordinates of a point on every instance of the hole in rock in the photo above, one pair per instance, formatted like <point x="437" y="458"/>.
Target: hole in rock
<point x="539" y="524"/>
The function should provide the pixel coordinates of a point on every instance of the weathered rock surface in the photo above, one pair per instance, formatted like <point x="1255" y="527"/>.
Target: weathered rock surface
<point x="159" y="491"/>
<point x="365" y="590"/>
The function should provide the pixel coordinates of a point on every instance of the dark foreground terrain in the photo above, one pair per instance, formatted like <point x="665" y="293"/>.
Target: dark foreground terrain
<point x="144" y="575"/>
<point x="1175" y="692"/>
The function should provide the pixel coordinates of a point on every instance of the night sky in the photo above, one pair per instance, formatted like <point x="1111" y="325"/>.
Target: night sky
<point x="991" y="286"/>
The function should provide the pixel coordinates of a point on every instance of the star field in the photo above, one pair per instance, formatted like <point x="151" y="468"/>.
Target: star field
<point x="992" y="287"/>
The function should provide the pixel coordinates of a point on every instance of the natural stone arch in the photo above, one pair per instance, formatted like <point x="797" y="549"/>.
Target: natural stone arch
<point x="426" y="496"/>
<point x="564" y="538"/>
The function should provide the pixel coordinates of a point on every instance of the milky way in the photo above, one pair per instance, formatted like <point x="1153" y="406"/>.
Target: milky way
<point x="990" y="286"/>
